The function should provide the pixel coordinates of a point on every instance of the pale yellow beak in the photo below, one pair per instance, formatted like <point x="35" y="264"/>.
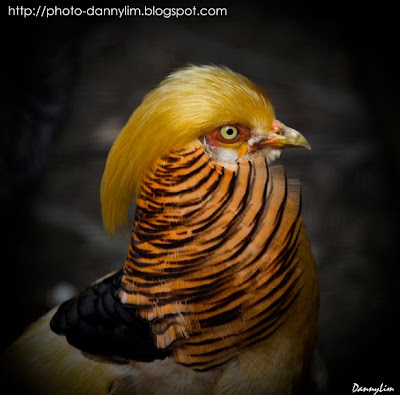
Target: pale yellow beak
<point x="281" y="136"/>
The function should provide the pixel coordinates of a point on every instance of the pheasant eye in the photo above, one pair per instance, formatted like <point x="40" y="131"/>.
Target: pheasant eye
<point x="229" y="132"/>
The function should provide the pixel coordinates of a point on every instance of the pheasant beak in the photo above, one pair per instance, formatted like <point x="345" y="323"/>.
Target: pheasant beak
<point x="281" y="136"/>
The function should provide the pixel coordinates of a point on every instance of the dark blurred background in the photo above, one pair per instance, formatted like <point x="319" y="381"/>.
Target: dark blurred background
<point x="71" y="83"/>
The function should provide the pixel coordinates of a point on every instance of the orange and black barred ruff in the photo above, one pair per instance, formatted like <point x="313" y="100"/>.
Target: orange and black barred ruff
<point x="212" y="261"/>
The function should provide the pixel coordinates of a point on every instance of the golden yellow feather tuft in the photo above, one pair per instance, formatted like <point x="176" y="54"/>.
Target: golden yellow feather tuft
<point x="189" y="103"/>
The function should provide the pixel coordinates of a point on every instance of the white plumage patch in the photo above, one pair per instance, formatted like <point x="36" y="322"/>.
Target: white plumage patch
<point x="226" y="155"/>
<point x="273" y="154"/>
<point x="220" y="154"/>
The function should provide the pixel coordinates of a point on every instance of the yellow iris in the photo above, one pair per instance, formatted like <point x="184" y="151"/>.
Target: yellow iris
<point x="229" y="132"/>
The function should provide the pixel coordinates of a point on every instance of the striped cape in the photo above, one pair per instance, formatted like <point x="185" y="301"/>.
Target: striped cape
<point x="212" y="260"/>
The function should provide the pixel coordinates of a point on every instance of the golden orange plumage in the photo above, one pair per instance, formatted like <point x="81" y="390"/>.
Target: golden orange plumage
<point x="219" y="276"/>
<point x="206" y="258"/>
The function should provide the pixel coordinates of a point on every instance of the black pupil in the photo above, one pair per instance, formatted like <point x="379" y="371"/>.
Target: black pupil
<point x="229" y="132"/>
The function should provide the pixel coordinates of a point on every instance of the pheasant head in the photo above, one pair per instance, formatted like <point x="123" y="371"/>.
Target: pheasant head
<point x="231" y="116"/>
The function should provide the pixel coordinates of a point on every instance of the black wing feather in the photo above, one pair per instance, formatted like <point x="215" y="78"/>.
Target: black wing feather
<point x="97" y="322"/>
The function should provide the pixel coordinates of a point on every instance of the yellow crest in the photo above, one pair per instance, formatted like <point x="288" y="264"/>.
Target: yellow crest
<point x="189" y="103"/>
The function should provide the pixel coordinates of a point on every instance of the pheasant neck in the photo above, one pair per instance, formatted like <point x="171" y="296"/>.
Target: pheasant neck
<point x="212" y="255"/>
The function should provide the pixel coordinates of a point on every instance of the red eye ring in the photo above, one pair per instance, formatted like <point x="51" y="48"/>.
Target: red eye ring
<point x="216" y="138"/>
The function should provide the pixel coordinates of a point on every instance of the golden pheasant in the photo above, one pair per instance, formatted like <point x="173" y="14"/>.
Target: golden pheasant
<point x="219" y="292"/>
